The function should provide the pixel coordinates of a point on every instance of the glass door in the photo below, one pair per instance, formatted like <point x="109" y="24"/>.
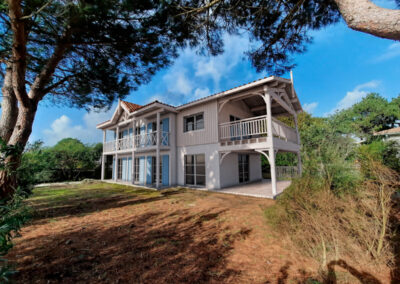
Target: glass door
<point x="243" y="168"/>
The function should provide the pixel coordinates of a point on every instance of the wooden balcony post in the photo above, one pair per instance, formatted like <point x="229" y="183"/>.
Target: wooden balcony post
<point x="102" y="155"/>
<point x="133" y="149"/>
<point x="270" y="139"/>
<point x="297" y="129"/>
<point x="158" y="152"/>
<point x="116" y="154"/>
<point x="299" y="166"/>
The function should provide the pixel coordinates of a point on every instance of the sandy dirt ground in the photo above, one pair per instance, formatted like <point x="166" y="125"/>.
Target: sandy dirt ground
<point x="103" y="233"/>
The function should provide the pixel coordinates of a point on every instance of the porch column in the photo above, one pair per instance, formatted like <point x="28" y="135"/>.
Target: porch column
<point x="158" y="152"/>
<point x="273" y="170"/>
<point x="299" y="166"/>
<point x="102" y="155"/>
<point x="297" y="129"/>
<point x="116" y="153"/>
<point x="133" y="149"/>
<point x="270" y="141"/>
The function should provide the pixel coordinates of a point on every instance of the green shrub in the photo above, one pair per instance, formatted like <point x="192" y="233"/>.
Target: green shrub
<point x="329" y="226"/>
<point x="386" y="152"/>
<point x="14" y="213"/>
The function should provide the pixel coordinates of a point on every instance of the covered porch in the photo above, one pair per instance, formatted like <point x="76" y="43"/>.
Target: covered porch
<point x="261" y="188"/>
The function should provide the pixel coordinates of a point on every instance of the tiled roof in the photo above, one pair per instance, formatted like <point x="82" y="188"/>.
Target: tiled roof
<point x="395" y="130"/>
<point x="130" y="106"/>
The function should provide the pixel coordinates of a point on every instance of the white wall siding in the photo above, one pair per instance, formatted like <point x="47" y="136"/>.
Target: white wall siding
<point x="255" y="167"/>
<point x="208" y="135"/>
<point x="229" y="172"/>
<point x="238" y="109"/>
<point x="212" y="163"/>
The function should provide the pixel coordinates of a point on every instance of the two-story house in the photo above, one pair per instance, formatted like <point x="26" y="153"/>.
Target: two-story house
<point x="214" y="142"/>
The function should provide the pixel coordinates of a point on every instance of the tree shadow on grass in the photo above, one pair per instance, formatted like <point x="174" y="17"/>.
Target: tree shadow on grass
<point x="330" y="276"/>
<point x="85" y="205"/>
<point x="362" y="276"/>
<point x="157" y="247"/>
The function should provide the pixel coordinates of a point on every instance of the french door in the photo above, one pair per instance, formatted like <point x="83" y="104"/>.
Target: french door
<point x="243" y="168"/>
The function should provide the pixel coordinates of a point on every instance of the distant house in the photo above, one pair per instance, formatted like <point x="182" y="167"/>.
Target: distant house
<point x="392" y="134"/>
<point x="214" y="142"/>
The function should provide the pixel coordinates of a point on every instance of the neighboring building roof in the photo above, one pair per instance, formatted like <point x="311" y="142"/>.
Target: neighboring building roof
<point x="392" y="131"/>
<point x="131" y="106"/>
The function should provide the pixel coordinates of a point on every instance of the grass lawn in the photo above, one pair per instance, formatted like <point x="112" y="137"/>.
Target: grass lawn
<point x="104" y="233"/>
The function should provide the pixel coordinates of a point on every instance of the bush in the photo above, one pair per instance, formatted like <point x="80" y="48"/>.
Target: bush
<point x="384" y="151"/>
<point x="13" y="215"/>
<point x="329" y="226"/>
<point x="12" y="211"/>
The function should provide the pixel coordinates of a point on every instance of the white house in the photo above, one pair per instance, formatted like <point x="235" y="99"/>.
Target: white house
<point x="214" y="142"/>
<point x="392" y="134"/>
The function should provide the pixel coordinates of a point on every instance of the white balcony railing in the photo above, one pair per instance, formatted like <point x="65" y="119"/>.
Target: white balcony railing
<point x="146" y="139"/>
<point x="243" y="129"/>
<point x="283" y="131"/>
<point x="255" y="127"/>
<point x="125" y="143"/>
<point x="137" y="141"/>
<point x="109" y="146"/>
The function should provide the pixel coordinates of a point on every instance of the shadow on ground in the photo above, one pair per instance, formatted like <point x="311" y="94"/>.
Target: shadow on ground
<point x="85" y="205"/>
<point x="179" y="246"/>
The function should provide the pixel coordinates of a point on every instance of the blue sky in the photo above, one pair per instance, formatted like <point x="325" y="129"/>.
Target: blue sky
<point x="339" y="68"/>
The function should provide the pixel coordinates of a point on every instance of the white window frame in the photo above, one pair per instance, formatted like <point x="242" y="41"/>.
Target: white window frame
<point x="195" y="122"/>
<point x="195" y="165"/>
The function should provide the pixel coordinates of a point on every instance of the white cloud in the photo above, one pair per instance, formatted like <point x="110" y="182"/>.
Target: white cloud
<point x="354" y="96"/>
<point x="216" y="67"/>
<point x="63" y="127"/>
<point x="186" y="78"/>
<point x="201" y="93"/>
<point x="177" y="81"/>
<point x="310" y="107"/>
<point x="392" y="51"/>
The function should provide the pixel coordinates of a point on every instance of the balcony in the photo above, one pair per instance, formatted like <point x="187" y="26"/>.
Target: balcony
<point x="140" y="141"/>
<point x="254" y="130"/>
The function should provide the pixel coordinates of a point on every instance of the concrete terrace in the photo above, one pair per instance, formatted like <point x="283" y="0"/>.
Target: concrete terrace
<point x="261" y="189"/>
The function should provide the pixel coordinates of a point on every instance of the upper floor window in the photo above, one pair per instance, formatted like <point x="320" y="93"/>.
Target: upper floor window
<point x="193" y="122"/>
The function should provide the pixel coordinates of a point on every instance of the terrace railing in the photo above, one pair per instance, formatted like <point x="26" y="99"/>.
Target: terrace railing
<point x="137" y="141"/>
<point x="255" y="127"/>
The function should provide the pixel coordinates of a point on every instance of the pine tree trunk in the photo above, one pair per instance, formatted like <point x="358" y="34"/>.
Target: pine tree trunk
<point x="9" y="107"/>
<point x="8" y="184"/>
<point x="20" y="136"/>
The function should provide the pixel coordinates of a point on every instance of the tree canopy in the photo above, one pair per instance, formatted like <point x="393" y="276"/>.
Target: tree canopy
<point x="85" y="53"/>
<point x="373" y="113"/>
<point x="69" y="159"/>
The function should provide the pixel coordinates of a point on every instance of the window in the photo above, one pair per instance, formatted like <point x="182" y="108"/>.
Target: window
<point x="195" y="169"/>
<point x="233" y="118"/>
<point x="154" y="169"/>
<point x="119" y="169"/>
<point x="193" y="122"/>
<point x="136" y="169"/>
<point x="243" y="168"/>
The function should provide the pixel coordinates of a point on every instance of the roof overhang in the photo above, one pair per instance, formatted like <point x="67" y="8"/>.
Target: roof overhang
<point x="269" y="82"/>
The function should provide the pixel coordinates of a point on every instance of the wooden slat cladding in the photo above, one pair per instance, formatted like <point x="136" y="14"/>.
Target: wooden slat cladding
<point x="207" y="135"/>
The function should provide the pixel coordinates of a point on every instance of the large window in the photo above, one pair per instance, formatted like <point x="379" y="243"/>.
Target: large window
<point x="193" y="122"/>
<point x="154" y="169"/>
<point x="195" y="169"/>
<point x="243" y="168"/>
